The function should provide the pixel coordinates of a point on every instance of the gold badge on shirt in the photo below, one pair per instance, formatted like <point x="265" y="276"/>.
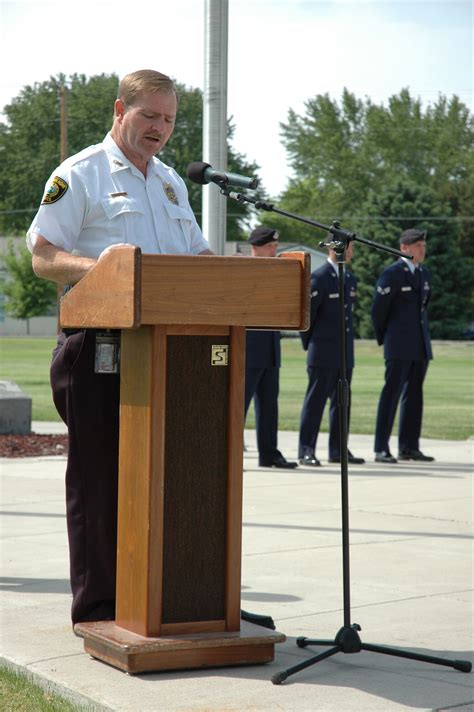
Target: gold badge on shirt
<point x="55" y="191"/>
<point x="170" y="194"/>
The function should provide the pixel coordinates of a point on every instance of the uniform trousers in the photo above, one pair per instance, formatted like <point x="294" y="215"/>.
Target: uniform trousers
<point x="405" y="379"/>
<point x="89" y="405"/>
<point x="262" y="384"/>
<point x="323" y="384"/>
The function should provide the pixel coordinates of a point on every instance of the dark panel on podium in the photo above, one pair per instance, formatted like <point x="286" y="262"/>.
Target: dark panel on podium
<point x="195" y="479"/>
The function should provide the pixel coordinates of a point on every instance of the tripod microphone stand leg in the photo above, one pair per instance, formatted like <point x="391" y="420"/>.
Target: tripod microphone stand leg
<point x="348" y="641"/>
<point x="279" y="677"/>
<point x="461" y="665"/>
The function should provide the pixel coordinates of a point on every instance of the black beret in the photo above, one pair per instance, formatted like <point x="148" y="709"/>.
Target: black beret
<point x="262" y="235"/>
<point x="409" y="237"/>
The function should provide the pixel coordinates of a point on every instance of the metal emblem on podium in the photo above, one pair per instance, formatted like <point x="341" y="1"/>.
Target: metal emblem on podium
<point x="219" y="355"/>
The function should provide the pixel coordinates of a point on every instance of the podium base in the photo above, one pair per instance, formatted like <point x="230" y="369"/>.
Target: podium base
<point x="132" y="653"/>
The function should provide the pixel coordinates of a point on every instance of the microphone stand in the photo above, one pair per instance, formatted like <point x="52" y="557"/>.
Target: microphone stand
<point x="347" y="639"/>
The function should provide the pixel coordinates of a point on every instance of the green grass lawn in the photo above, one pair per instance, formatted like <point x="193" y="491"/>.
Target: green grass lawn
<point x="26" y="362"/>
<point x="448" y="393"/>
<point x="20" y="694"/>
<point x="449" y="386"/>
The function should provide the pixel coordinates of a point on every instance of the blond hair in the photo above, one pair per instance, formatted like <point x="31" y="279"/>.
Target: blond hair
<point x="144" y="80"/>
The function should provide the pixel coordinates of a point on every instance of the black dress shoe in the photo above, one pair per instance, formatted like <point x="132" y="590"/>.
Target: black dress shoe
<point x="278" y="461"/>
<point x="310" y="460"/>
<point x="350" y="459"/>
<point x="414" y="455"/>
<point x="384" y="456"/>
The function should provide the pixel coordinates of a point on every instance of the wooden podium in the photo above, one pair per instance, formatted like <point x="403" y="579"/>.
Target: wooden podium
<point x="183" y="321"/>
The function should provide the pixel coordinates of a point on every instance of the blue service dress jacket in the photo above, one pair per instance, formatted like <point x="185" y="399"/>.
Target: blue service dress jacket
<point x="263" y="349"/>
<point x="399" y="312"/>
<point x="321" y="341"/>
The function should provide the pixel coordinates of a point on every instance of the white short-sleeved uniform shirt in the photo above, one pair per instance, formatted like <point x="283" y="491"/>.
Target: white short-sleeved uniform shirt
<point x="98" y="198"/>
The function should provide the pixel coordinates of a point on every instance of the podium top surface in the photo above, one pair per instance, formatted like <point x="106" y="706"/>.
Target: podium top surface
<point x="127" y="289"/>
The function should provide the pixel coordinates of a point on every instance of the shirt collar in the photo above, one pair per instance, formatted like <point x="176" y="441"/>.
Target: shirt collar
<point x="334" y="265"/>
<point x="117" y="159"/>
<point x="410" y="264"/>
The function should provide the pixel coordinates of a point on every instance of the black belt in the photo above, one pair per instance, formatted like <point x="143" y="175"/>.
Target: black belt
<point x="70" y="332"/>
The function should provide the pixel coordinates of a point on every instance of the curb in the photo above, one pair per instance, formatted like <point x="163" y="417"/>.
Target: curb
<point x="49" y="686"/>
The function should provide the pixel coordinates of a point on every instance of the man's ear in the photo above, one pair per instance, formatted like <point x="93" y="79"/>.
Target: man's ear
<point x="119" y="109"/>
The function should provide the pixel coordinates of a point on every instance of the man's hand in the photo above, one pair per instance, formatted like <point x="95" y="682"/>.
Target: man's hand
<point x="110" y="248"/>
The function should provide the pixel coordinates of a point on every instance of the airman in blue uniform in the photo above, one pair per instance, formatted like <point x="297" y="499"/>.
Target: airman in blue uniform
<point x="400" y="320"/>
<point x="321" y="341"/>
<point x="262" y="370"/>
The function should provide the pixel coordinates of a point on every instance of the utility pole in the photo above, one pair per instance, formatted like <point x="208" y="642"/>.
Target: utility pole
<point x="214" y="205"/>
<point x="63" y="154"/>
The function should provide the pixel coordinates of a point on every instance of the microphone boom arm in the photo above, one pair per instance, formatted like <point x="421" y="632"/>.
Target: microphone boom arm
<point x="341" y="236"/>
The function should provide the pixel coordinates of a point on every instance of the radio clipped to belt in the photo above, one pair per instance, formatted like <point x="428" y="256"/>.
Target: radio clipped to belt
<point x="107" y="352"/>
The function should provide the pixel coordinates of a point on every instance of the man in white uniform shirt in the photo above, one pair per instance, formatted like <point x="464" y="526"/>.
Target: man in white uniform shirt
<point x="113" y="193"/>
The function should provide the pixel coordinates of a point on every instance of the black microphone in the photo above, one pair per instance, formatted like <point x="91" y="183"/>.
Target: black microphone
<point x="202" y="173"/>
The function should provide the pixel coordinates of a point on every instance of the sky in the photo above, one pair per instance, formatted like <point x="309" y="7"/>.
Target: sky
<point x="280" y="54"/>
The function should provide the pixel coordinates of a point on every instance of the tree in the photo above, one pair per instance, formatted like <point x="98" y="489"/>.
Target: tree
<point x="342" y="152"/>
<point x="355" y="161"/>
<point x="30" y="143"/>
<point x="27" y="295"/>
<point x="452" y="279"/>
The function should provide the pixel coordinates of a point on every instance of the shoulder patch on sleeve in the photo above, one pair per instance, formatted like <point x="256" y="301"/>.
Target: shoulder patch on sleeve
<point x="55" y="191"/>
<point x="383" y="290"/>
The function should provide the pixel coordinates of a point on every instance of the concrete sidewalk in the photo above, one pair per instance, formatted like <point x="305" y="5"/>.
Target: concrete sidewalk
<point x="411" y="587"/>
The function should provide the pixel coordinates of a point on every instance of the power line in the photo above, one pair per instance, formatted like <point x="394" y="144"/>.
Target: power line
<point x="35" y="210"/>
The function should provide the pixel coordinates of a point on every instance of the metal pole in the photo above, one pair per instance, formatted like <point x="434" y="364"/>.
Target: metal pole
<point x="63" y="154"/>
<point x="214" y="207"/>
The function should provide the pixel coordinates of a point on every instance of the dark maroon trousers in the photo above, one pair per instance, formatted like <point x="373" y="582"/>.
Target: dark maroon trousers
<point x="89" y="405"/>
